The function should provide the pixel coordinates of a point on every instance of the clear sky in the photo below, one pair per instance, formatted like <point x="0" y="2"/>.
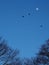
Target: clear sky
<point x="23" y="31"/>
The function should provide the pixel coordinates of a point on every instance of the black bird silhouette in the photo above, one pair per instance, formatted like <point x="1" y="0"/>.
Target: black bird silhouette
<point x="22" y="16"/>
<point x="29" y="14"/>
<point x="41" y="25"/>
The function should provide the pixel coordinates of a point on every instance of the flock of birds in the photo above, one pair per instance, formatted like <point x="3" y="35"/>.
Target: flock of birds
<point x="30" y="13"/>
<point x="37" y="9"/>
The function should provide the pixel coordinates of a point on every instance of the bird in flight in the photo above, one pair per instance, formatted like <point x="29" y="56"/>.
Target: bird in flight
<point x="41" y="25"/>
<point x="22" y="16"/>
<point x="29" y="14"/>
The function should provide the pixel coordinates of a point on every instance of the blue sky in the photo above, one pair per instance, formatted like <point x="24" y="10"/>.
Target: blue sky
<point x="25" y="33"/>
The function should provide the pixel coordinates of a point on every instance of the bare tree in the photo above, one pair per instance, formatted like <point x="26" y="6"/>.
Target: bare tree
<point x="8" y="56"/>
<point x="43" y="55"/>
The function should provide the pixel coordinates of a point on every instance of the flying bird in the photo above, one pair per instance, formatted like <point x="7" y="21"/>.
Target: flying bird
<point x="22" y="16"/>
<point x="41" y="25"/>
<point x="29" y="14"/>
